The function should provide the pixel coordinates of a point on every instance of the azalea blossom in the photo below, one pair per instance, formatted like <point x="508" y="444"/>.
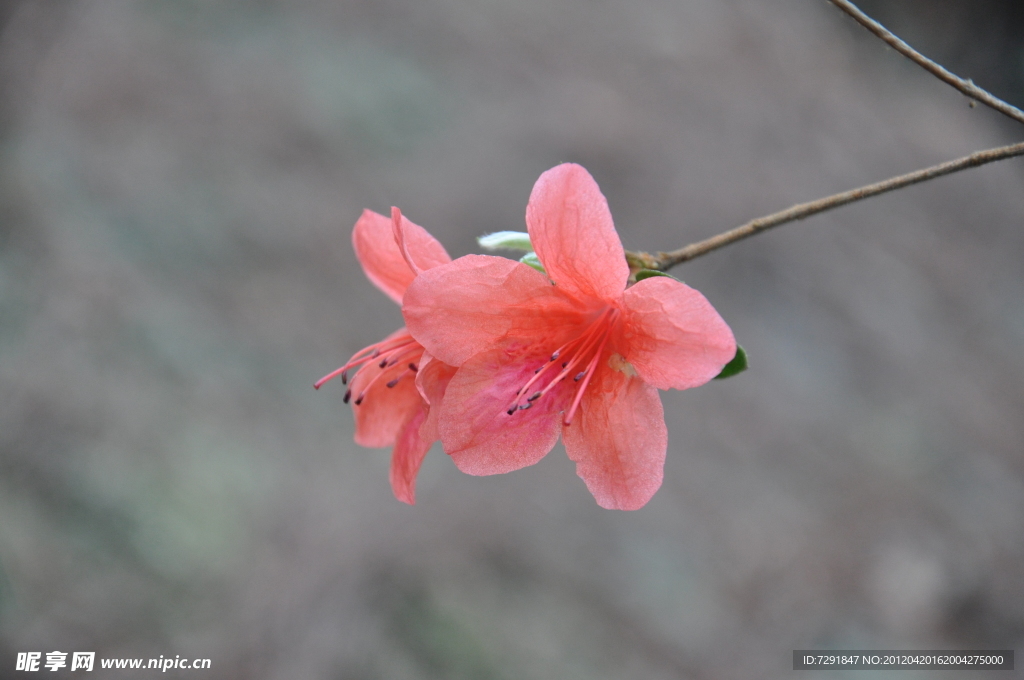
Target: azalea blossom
<point x="396" y="382"/>
<point x="574" y="352"/>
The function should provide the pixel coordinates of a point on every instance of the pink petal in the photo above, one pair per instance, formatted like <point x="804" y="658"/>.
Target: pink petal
<point x="384" y="410"/>
<point x="460" y="309"/>
<point x="374" y="241"/>
<point x="572" y="231"/>
<point x="407" y="456"/>
<point x="419" y="249"/>
<point x="674" y="337"/>
<point x="432" y="382"/>
<point x="618" y="440"/>
<point x="476" y="429"/>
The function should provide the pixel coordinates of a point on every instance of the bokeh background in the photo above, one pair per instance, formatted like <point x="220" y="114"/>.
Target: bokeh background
<point x="178" y="184"/>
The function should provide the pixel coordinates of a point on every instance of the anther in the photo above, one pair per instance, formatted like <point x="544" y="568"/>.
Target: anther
<point x="564" y="364"/>
<point x="413" y="368"/>
<point x="344" y="377"/>
<point x="348" y="395"/>
<point x="539" y="369"/>
<point x="535" y="396"/>
<point x="511" y="410"/>
<point x="383" y="363"/>
<point x="579" y="376"/>
<point x="525" y="406"/>
<point x="392" y="383"/>
<point x="554" y="356"/>
<point x="359" y="399"/>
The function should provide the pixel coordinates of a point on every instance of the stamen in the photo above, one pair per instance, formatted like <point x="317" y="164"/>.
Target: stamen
<point x="589" y="373"/>
<point x="359" y="399"/>
<point x="348" y="395"/>
<point x="397" y="356"/>
<point x="327" y="377"/>
<point x="390" y="348"/>
<point x="392" y="383"/>
<point x="589" y="338"/>
<point x="585" y="351"/>
<point x="413" y="368"/>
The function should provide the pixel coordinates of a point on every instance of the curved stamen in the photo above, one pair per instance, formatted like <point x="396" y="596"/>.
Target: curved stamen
<point x="385" y="348"/>
<point x="362" y="395"/>
<point x="582" y="353"/>
<point x="586" y="380"/>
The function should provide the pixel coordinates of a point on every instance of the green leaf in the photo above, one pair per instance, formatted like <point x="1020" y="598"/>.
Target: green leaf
<point x="737" y="365"/>
<point x="532" y="260"/>
<point x="505" y="240"/>
<point x="648" y="273"/>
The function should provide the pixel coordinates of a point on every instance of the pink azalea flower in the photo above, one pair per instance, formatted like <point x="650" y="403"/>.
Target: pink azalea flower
<point x="397" y="382"/>
<point x="583" y="358"/>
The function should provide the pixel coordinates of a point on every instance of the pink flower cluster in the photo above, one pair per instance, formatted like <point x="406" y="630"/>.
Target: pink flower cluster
<point x="497" y="360"/>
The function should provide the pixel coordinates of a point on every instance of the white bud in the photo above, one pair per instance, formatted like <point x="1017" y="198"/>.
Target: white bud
<point x="532" y="260"/>
<point x="505" y="240"/>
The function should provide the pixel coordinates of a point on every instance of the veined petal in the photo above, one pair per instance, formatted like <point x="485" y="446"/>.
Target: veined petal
<point x="476" y="429"/>
<point x="674" y="337"/>
<point x="419" y="249"/>
<point x="618" y="440"/>
<point x="382" y="410"/>
<point x="407" y="456"/>
<point x="432" y="382"/>
<point x="374" y="241"/>
<point x="571" y="230"/>
<point x="463" y="308"/>
<point x="382" y="261"/>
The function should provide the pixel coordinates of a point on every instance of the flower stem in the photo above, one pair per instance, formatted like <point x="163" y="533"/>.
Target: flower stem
<point x="663" y="261"/>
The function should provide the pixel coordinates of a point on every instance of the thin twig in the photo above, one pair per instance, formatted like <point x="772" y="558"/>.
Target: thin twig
<point x="663" y="261"/>
<point x="966" y="86"/>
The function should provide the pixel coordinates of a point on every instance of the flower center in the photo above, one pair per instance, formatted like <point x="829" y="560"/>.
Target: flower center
<point x="386" y="354"/>
<point x="579" y="358"/>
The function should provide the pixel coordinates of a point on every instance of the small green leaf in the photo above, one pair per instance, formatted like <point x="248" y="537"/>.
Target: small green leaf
<point x="648" y="273"/>
<point x="532" y="260"/>
<point x="505" y="240"/>
<point x="737" y="365"/>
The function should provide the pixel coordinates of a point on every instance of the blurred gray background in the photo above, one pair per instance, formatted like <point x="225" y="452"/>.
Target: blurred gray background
<point x="178" y="184"/>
